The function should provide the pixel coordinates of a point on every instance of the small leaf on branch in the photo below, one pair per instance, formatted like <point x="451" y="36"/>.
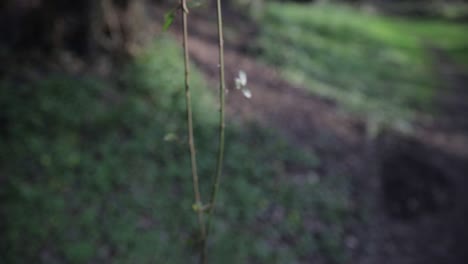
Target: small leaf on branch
<point x="168" y="19"/>
<point x="170" y="137"/>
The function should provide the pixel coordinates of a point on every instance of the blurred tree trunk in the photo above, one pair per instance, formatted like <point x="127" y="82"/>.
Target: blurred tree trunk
<point x="80" y="26"/>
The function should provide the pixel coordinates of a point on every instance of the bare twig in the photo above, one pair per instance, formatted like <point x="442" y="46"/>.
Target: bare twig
<point x="219" y="165"/>
<point x="192" y="150"/>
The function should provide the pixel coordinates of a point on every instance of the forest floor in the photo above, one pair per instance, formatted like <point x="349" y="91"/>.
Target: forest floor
<point x="352" y="149"/>
<point x="408" y="186"/>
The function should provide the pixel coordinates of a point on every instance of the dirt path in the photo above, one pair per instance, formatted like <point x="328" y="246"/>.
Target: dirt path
<point x="421" y="220"/>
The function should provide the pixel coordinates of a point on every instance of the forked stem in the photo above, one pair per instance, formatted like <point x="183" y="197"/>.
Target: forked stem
<point x="204" y="230"/>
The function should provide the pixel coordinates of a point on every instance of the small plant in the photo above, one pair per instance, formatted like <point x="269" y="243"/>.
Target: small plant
<point x="199" y="207"/>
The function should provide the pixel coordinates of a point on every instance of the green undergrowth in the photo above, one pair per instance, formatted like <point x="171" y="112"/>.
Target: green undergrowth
<point x="94" y="171"/>
<point x="377" y="66"/>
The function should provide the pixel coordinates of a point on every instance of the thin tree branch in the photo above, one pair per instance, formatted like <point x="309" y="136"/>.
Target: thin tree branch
<point x="222" y="89"/>
<point x="192" y="150"/>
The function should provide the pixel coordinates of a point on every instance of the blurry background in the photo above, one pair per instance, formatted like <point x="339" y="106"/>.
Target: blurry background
<point x="353" y="148"/>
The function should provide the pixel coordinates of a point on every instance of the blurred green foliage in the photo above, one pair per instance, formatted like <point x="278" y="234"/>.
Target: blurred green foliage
<point x="378" y="66"/>
<point x="94" y="171"/>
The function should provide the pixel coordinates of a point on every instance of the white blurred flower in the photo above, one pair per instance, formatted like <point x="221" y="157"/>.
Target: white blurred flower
<point x="247" y="93"/>
<point x="241" y="83"/>
<point x="241" y="80"/>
